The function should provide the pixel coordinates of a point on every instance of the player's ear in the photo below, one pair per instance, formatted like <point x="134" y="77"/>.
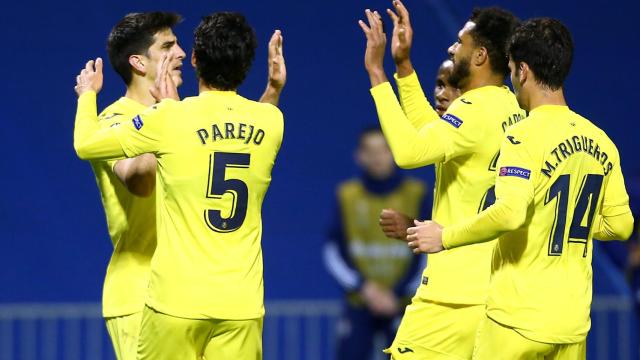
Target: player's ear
<point x="137" y="63"/>
<point x="480" y="56"/>
<point x="523" y="70"/>
<point x="193" y="58"/>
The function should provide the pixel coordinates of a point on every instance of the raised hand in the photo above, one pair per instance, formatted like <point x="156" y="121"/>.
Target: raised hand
<point x="394" y="224"/>
<point x="90" y="78"/>
<point x="425" y="237"/>
<point x="277" y="68"/>
<point x="164" y="86"/>
<point x="376" y="42"/>
<point x="402" y="36"/>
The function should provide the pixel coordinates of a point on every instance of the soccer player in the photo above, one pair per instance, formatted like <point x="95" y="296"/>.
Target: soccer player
<point x="559" y="185"/>
<point x="394" y="223"/>
<point x="215" y="153"/>
<point x="442" y="319"/>
<point x="135" y="46"/>
<point x="378" y="274"/>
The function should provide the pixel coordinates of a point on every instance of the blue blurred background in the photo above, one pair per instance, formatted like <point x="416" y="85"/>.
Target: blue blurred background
<point x="55" y="245"/>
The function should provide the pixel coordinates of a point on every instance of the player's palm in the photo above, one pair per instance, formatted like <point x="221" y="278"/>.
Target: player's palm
<point x="90" y="78"/>
<point x="402" y="36"/>
<point x="277" y="67"/>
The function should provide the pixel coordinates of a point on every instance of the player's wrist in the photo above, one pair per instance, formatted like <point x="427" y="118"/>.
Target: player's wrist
<point x="404" y="68"/>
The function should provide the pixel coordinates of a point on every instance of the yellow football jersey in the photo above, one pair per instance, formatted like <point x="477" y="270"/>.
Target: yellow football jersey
<point x="131" y="221"/>
<point x="561" y="176"/>
<point x="215" y="153"/>
<point x="464" y="144"/>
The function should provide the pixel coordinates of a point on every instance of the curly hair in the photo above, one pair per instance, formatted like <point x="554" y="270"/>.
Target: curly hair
<point x="546" y="45"/>
<point x="493" y="27"/>
<point x="133" y="35"/>
<point x="224" y="48"/>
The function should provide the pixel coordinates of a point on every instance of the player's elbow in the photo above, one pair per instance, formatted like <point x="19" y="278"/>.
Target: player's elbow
<point x="405" y="160"/>
<point x="514" y="219"/>
<point x="141" y="185"/>
<point x="513" y="222"/>
<point x="82" y="150"/>
<point x="625" y="228"/>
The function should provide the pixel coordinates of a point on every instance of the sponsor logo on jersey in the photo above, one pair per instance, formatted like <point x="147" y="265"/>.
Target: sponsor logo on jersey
<point x="515" y="171"/>
<point x="405" y="350"/>
<point x="111" y="116"/>
<point x="465" y="101"/>
<point x="513" y="140"/>
<point x="452" y="119"/>
<point x="137" y="122"/>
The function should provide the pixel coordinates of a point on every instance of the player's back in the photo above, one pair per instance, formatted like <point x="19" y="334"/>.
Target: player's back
<point x="214" y="169"/>
<point x="542" y="279"/>
<point x="131" y="223"/>
<point x="464" y="187"/>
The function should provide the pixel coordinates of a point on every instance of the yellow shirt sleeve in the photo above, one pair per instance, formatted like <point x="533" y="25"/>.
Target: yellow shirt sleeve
<point x="615" y="221"/>
<point x="514" y="194"/>
<point x="457" y="133"/>
<point x="414" y="102"/>
<point x="89" y="140"/>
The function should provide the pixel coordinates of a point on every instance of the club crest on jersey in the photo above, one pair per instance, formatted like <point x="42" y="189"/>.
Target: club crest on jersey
<point x="452" y="119"/>
<point x="137" y="122"/>
<point x="515" y="171"/>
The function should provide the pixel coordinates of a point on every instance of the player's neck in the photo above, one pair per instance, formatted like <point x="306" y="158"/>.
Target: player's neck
<point x="138" y="91"/>
<point x="202" y="87"/>
<point x="481" y="79"/>
<point x="542" y="96"/>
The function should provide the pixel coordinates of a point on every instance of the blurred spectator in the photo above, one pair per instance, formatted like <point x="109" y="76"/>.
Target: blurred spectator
<point x="378" y="274"/>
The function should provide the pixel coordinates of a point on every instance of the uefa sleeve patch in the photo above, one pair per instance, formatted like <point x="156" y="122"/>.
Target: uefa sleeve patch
<point x="137" y="122"/>
<point x="515" y="171"/>
<point x="452" y="119"/>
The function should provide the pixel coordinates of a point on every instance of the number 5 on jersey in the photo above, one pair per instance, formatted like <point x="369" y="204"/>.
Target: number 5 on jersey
<point x="218" y="185"/>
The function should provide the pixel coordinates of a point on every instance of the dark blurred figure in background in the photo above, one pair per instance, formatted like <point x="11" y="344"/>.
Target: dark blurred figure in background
<point x="378" y="274"/>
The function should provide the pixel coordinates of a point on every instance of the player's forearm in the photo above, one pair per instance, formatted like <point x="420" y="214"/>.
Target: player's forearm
<point x="413" y="100"/>
<point x="271" y="95"/>
<point x="505" y="215"/>
<point x="86" y="122"/>
<point x="617" y="227"/>
<point x="89" y="141"/>
<point x="411" y="148"/>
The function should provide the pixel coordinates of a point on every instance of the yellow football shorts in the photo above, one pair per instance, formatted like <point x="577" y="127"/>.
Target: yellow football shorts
<point x="172" y="338"/>
<point x="436" y="331"/>
<point x="498" y="342"/>
<point x="124" y="331"/>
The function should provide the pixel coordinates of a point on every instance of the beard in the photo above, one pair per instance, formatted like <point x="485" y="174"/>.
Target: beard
<point x="460" y="72"/>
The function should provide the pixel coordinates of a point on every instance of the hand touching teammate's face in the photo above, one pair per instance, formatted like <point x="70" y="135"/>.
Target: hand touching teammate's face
<point x="165" y="44"/>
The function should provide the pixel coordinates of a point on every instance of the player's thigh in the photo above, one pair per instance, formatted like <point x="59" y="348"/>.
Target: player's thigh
<point x="123" y="331"/>
<point x="445" y="331"/>
<point x="577" y="351"/>
<point x="235" y="340"/>
<point x="497" y="342"/>
<point x="165" y="337"/>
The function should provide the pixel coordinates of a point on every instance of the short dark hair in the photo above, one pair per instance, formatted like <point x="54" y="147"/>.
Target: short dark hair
<point x="493" y="27"/>
<point x="546" y="45"/>
<point x="133" y="35"/>
<point x="224" y="47"/>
